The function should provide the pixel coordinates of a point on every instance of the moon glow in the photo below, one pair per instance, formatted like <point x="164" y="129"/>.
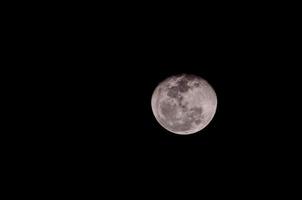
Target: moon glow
<point x="184" y="104"/>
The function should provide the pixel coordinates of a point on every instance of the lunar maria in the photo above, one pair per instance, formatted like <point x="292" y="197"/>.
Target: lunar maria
<point x="184" y="104"/>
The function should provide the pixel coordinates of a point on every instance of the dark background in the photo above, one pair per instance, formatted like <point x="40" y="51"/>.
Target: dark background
<point x="106" y="125"/>
<point x="92" y="75"/>
<point x="108" y="100"/>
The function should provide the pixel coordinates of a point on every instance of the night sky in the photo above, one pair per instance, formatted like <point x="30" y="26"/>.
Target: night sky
<point x="99" y="79"/>
<point x="115" y="106"/>
<point x="111" y="125"/>
<point x="108" y="91"/>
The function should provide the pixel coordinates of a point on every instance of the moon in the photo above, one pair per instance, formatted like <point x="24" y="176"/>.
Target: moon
<point x="184" y="104"/>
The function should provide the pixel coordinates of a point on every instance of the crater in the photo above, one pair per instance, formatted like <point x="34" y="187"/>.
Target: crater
<point x="183" y="105"/>
<point x="196" y="84"/>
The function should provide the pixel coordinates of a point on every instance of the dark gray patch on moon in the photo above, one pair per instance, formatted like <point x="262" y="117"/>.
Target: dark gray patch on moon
<point x="168" y="110"/>
<point x="183" y="106"/>
<point x="197" y="84"/>
<point x="196" y="110"/>
<point x="195" y="115"/>
<point x="173" y="92"/>
<point x="183" y="85"/>
<point x="197" y="122"/>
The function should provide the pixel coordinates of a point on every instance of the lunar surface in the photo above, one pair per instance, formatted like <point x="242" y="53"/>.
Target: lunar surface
<point x="184" y="104"/>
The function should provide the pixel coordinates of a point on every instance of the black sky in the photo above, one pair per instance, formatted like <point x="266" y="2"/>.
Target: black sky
<point x="99" y="74"/>
<point x="109" y="80"/>
<point x="113" y="102"/>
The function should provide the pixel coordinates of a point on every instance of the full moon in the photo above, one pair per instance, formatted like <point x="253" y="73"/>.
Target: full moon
<point x="184" y="104"/>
